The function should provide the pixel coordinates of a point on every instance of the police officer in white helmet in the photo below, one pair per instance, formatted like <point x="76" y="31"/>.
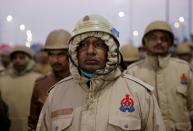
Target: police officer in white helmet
<point x="98" y="97"/>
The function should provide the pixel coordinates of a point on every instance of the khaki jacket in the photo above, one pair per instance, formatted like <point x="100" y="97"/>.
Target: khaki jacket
<point x="39" y="95"/>
<point x="119" y="103"/>
<point x="172" y="79"/>
<point x="16" y="91"/>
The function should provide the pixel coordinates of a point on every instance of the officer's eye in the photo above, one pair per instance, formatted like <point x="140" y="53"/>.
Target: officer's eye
<point x="99" y="43"/>
<point x="165" y="38"/>
<point x="62" y="53"/>
<point x="83" y="44"/>
<point x="50" y="54"/>
<point x="152" y="37"/>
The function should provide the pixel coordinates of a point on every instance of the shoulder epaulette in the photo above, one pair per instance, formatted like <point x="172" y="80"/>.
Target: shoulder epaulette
<point x="63" y="80"/>
<point x="145" y="85"/>
<point x="183" y="62"/>
<point x="180" y="61"/>
<point x="135" y="63"/>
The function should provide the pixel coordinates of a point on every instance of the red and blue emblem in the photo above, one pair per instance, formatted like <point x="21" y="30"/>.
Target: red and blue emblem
<point x="184" y="79"/>
<point x="127" y="104"/>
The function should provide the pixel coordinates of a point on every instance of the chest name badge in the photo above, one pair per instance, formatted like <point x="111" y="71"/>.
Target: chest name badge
<point x="184" y="79"/>
<point x="127" y="104"/>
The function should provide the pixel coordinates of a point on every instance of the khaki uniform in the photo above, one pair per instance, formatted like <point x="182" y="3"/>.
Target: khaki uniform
<point x="40" y="93"/>
<point x="100" y="100"/>
<point x="16" y="91"/>
<point x="115" y="103"/>
<point x="172" y="79"/>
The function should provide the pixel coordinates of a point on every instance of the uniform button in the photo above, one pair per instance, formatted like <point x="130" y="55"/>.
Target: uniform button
<point x="126" y="126"/>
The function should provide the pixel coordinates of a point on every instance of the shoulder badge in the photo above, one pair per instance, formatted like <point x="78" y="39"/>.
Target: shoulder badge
<point x="127" y="104"/>
<point x="137" y="63"/>
<point x="184" y="79"/>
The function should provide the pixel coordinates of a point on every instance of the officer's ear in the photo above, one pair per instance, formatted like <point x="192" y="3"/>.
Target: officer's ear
<point x="171" y="42"/>
<point x="145" y="41"/>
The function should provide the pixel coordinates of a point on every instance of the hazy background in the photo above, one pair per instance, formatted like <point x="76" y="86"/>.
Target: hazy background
<point x="42" y="16"/>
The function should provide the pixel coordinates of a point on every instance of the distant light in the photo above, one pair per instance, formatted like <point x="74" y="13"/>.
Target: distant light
<point x="121" y="14"/>
<point x="135" y="33"/>
<point x="9" y="18"/>
<point x="22" y="27"/>
<point x="28" y="44"/>
<point x="176" y="25"/>
<point x="181" y="19"/>
<point x="29" y="35"/>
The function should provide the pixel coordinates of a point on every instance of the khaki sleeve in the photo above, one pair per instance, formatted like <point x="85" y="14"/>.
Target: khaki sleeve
<point x="44" y="122"/>
<point x="154" y="121"/>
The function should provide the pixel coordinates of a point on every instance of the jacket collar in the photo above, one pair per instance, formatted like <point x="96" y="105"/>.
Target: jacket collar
<point x="93" y="85"/>
<point x="157" y="62"/>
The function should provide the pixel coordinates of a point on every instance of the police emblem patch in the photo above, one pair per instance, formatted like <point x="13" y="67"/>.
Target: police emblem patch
<point x="127" y="104"/>
<point x="184" y="79"/>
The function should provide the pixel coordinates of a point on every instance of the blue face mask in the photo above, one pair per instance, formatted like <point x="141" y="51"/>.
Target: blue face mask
<point x="86" y="73"/>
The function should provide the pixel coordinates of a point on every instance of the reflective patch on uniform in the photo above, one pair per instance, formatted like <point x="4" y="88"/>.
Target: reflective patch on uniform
<point x="65" y="111"/>
<point x="127" y="104"/>
<point x="184" y="79"/>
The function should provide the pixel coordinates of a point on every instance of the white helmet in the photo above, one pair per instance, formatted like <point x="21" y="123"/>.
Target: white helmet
<point x="96" y="26"/>
<point x="94" y="23"/>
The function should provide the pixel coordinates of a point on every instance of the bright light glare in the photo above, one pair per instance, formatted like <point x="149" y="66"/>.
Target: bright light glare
<point x="176" y="25"/>
<point x="27" y="44"/>
<point x="181" y="19"/>
<point x="9" y="18"/>
<point x="22" y="27"/>
<point x="135" y="33"/>
<point x="29" y="35"/>
<point x="121" y="14"/>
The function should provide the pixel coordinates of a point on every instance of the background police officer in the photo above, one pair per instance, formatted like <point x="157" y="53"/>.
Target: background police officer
<point x="16" y="87"/>
<point x="56" y="47"/>
<point x="184" y="51"/>
<point x="171" y="77"/>
<point x="130" y="54"/>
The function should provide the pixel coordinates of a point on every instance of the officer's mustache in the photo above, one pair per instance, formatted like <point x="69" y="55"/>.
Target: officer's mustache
<point x="91" y="59"/>
<point x="56" y="64"/>
<point x="158" y="46"/>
